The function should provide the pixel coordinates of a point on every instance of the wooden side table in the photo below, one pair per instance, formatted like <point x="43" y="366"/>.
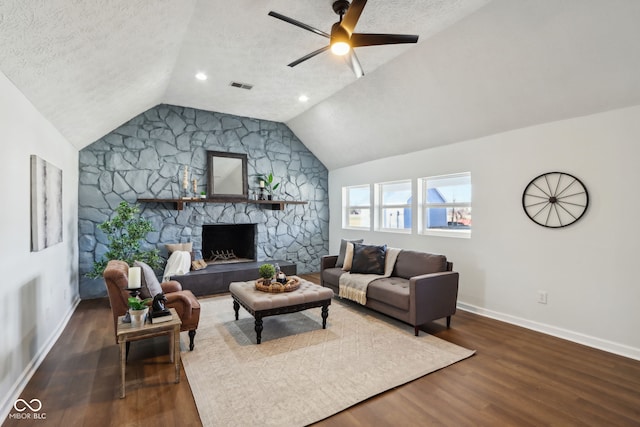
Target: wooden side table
<point x="126" y="333"/>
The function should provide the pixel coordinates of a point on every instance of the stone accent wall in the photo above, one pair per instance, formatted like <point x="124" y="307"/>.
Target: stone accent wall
<point x="145" y="158"/>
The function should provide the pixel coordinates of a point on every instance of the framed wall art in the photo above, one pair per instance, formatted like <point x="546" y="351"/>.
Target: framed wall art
<point x="46" y="204"/>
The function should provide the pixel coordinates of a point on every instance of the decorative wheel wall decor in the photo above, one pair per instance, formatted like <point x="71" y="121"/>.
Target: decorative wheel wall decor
<point x="555" y="199"/>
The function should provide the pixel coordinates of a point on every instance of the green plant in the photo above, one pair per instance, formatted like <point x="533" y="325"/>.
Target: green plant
<point x="125" y="232"/>
<point x="136" y="303"/>
<point x="269" y="185"/>
<point x="203" y="193"/>
<point x="266" y="271"/>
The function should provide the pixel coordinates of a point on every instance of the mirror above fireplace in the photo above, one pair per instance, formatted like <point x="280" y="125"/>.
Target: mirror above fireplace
<point x="226" y="175"/>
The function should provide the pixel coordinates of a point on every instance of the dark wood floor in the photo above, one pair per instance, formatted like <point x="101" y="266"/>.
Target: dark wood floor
<point x="517" y="377"/>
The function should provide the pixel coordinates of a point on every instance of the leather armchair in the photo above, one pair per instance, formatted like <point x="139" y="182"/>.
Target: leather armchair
<point x="116" y="277"/>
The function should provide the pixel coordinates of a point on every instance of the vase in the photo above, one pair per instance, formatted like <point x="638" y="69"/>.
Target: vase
<point x="138" y="317"/>
<point x="269" y="197"/>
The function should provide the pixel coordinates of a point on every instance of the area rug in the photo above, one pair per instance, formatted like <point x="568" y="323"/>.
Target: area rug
<point x="302" y="373"/>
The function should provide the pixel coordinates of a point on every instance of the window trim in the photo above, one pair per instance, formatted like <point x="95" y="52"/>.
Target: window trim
<point x="423" y="207"/>
<point x="346" y="208"/>
<point x="379" y="207"/>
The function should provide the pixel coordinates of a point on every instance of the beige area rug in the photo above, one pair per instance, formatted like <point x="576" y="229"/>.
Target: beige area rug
<point x="302" y="373"/>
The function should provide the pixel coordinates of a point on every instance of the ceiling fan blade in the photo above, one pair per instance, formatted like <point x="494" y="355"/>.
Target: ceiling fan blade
<point x="359" y="39"/>
<point x="352" y="61"/>
<point x="350" y="18"/>
<point x="309" y="56"/>
<point x="299" y="24"/>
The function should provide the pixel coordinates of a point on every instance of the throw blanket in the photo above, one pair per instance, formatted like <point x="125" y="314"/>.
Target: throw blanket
<point x="354" y="286"/>
<point x="178" y="263"/>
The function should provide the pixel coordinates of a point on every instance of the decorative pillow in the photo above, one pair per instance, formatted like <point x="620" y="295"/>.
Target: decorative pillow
<point x="343" y="250"/>
<point x="348" y="257"/>
<point x="149" y="282"/>
<point x="368" y="259"/>
<point x="172" y="247"/>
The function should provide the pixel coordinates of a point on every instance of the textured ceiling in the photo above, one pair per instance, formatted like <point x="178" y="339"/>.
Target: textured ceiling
<point x="89" y="66"/>
<point x="479" y="68"/>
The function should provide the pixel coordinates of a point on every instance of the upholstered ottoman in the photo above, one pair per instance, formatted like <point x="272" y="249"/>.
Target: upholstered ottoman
<point x="262" y="304"/>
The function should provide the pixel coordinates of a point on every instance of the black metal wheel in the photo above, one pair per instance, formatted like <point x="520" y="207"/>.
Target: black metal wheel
<point x="555" y="199"/>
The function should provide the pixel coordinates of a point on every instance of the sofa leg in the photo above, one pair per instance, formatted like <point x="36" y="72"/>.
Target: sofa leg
<point x="448" y="322"/>
<point x="192" y="335"/>
<point x="416" y="329"/>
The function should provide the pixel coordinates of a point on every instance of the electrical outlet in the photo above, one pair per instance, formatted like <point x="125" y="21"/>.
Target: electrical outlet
<point x="542" y="297"/>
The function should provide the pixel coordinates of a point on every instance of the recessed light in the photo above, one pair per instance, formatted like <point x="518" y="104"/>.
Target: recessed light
<point x="303" y="98"/>
<point x="201" y="76"/>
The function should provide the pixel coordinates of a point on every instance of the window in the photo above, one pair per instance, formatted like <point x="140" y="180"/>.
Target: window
<point x="394" y="206"/>
<point x="445" y="205"/>
<point x="356" y="205"/>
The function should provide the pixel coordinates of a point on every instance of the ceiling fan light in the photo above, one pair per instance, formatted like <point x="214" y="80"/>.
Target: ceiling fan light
<point x="340" y="48"/>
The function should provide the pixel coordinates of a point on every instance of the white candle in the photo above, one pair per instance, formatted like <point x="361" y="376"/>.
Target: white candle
<point x="185" y="179"/>
<point x="261" y="184"/>
<point x="134" y="277"/>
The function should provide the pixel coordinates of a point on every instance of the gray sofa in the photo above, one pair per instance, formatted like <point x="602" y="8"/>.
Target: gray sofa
<point x="423" y="287"/>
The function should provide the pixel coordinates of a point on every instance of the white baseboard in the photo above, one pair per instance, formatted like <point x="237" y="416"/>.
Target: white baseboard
<point x="7" y="404"/>
<point x="577" y="337"/>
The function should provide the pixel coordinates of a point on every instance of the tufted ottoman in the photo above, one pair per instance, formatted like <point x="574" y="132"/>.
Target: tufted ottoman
<point x="262" y="304"/>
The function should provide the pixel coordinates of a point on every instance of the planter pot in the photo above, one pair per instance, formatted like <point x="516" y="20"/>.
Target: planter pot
<point x="138" y="317"/>
<point x="269" y="197"/>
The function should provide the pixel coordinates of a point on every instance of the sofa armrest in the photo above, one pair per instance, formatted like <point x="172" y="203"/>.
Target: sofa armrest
<point x="328" y="261"/>
<point x="184" y="302"/>
<point x="170" y="286"/>
<point x="433" y="296"/>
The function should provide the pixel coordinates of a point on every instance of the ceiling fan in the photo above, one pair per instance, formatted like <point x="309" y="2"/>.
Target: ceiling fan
<point x="342" y="39"/>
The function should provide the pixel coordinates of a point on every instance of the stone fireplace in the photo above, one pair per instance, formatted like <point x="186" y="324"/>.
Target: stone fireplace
<point x="229" y="242"/>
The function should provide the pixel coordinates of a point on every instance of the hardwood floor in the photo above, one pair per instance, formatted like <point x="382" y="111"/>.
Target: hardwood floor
<point x="517" y="377"/>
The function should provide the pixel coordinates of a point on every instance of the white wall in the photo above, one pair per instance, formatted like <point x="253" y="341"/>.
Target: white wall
<point x="38" y="290"/>
<point x="588" y="268"/>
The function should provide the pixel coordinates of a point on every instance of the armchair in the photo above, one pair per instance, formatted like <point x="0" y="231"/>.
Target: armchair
<point x="116" y="277"/>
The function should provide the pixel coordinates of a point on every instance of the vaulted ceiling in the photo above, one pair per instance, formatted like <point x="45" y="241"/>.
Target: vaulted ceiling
<point x="480" y="66"/>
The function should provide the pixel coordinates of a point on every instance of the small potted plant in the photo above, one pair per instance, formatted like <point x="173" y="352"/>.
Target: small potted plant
<point x="266" y="272"/>
<point x="270" y="186"/>
<point x="138" y="310"/>
<point x="203" y="194"/>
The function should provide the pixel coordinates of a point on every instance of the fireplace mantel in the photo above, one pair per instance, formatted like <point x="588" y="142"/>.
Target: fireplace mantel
<point x="276" y="205"/>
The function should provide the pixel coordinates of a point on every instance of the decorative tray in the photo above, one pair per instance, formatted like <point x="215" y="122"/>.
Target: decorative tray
<point x="275" y="287"/>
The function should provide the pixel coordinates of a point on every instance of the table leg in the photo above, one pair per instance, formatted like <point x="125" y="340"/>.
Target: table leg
<point x="123" y="363"/>
<point x="171" y="347"/>
<point x="176" y="350"/>
<point x="258" y="329"/>
<point x="236" y="308"/>
<point x="325" y="314"/>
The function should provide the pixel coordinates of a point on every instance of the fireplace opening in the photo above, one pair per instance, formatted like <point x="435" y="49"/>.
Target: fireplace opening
<point x="226" y="243"/>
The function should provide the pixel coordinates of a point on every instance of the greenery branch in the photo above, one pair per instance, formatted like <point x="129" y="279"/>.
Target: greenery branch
<point x="125" y="232"/>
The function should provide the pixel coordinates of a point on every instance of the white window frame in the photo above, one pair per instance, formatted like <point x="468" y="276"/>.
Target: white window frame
<point x="424" y="205"/>
<point x="347" y="207"/>
<point x="379" y="207"/>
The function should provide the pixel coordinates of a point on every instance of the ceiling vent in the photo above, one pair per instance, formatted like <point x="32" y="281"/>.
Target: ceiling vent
<point x="241" y="85"/>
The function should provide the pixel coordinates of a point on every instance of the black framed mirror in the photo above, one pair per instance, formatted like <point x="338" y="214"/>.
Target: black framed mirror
<point x="226" y="175"/>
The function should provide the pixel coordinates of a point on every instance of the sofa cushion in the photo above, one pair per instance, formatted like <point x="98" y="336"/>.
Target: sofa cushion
<point x="343" y="250"/>
<point x="348" y="257"/>
<point x="150" y="284"/>
<point x="172" y="247"/>
<point x="368" y="259"/>
<point x="411" y="263"/>
<point x="332" y="276"/>
<point x="393" y="291"/>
